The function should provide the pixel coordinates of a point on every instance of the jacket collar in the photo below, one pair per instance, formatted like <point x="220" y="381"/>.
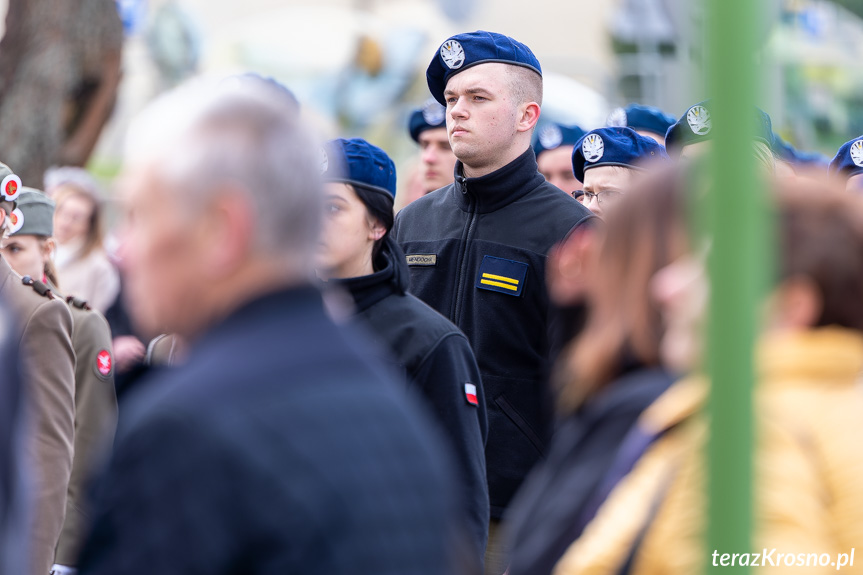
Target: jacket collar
<point x="498" y="189"/>
<point x="391" y="278"/>
<point x="812" y="358"/>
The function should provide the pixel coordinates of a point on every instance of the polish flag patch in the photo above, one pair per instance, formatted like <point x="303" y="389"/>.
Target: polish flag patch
<point x="470" y="394"/>
<point x="103" y="362"/>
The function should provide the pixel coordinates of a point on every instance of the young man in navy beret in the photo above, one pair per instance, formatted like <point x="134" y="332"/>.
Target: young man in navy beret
<point x="427" y="128"/>
<point x="607" y="160"/>
<point x="553" y="148"/>
<point x="477" y="248"/>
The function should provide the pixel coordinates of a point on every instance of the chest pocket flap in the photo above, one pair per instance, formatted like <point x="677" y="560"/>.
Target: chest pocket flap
<point x="501" y="275"/>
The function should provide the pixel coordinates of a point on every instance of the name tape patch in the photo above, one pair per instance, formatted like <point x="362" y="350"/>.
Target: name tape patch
<point x="501" y="275"/>
<point x="422" y="259"/>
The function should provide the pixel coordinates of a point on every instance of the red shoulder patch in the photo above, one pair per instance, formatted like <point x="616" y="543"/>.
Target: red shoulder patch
<point x="104" y="362"/>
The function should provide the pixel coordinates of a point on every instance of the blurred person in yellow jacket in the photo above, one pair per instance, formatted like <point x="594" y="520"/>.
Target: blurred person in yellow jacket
<point x="808" y="506"/>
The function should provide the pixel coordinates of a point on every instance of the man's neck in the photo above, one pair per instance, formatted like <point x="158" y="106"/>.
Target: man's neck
<point x="480" y="171"/>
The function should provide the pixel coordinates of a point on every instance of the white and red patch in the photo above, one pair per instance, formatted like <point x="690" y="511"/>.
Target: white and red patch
<point x="104" y="362"/>
<point x="10" y="187"/>
<point x="470" y="394"/>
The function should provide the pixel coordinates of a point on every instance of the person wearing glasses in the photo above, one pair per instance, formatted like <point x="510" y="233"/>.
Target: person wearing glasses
<point x="606" y="162"/>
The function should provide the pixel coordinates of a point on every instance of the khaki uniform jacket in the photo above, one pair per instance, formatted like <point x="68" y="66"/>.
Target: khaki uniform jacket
<point x="95" y="420"/>
<point x="45" y="343"/>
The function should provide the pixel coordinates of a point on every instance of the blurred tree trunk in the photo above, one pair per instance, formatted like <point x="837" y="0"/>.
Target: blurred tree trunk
<point x="59" y="72"/>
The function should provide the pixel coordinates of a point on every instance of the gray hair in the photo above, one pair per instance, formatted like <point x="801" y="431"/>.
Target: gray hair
<point x="206" y="134"/>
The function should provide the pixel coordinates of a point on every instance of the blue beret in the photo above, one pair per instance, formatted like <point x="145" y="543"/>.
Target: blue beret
<point x="358" y="163"/>
<point x="849" y="159"/>
<point x="431" y="115"/>
<point x="696" y="126"/>
<point x="640" y="117"/>
<point x="785" y="151"/>
<point x="462" y="51"/>
<point x="613" y="147"/>
<point x="551" y="136"/>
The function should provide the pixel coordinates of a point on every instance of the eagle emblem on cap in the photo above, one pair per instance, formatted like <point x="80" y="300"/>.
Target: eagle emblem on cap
<point x="698" y="119"/>
<point x="16" y="220"/>
<point x="10" y="188"/>
<point x="433" y="113"/>
<point x="550" y="137"/>
<point x="592" y="147"/>
<point x="452" y="54"/>
<point x="857" y="153"/>
<point x="325" y="161"/>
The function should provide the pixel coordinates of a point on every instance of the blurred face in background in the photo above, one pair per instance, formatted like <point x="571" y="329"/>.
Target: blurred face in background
<point x="72" y="217"/>
<point x="349" y="234"/>
<point x="27" y="254"/>
<point x="438" y="160"/>
<point x="556" y="167"/>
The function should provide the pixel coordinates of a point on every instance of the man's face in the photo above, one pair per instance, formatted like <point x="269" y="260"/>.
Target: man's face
<point x="161" y="255"/>
<point x="556" y="166"/>
<point x="437" y="158"/>
<point x="481" y="114"/>
<point x="604" y="185"/>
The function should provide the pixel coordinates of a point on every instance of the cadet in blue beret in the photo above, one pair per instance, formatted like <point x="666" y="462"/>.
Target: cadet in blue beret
<point x="477" y="248"/>
<point x="689" y="137"/>
<point x="358" y="255"/>
<point x="848" y="164"/>
<point x="427" y="127"/>
<point x="607" y="160"/>
<point x="553" y="145"/>
<point x="648" y="121"/>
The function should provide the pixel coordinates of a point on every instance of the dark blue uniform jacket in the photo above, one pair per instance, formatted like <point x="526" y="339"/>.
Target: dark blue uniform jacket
<point x="275" y="449"/>
<point x="436" y="360"/>
<point x="477" y="251"/>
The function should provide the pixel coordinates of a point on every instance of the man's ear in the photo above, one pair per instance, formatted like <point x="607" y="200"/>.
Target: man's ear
<point x="227" y="232"/>
<point x="528" y="116"/>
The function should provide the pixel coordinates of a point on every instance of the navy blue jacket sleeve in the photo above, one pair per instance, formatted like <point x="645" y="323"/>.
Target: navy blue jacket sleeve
<point x="441" y="377"/>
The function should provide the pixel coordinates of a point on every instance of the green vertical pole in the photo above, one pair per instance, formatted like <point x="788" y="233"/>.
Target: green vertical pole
<point x="735" y="213"/>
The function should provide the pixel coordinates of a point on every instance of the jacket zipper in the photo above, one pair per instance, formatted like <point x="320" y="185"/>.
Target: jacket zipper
<point x="468" y="231"/>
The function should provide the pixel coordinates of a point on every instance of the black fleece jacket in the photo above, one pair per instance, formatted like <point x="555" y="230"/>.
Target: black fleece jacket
<point x="477" y="252"/>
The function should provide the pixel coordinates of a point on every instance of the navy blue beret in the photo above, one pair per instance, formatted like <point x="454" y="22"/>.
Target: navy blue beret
<point x="849" y="159"/>
<point x="640" y="117"/>
<point x="613" y="147"/>
<point x="551" y="136"/>
<point x="696" y="126"/>
<point x="431" y="115"/>
<point x="785" y="151"/>
<point x="462" y="51"/>
<point x="358" y="163"/>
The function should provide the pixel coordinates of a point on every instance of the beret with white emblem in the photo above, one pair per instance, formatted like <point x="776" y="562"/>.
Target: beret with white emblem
<point x="614" y="147"/>
<point x="696" y="125"/>
<point x="551" y="136"/>
<point x="430" y="116"/>
<point x="463" y="51"/>
<point x="849" y="159"/>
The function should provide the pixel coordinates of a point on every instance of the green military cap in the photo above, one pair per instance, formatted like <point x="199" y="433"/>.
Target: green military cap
<point x="34" y="215"/>
<point x="10" y="184"/>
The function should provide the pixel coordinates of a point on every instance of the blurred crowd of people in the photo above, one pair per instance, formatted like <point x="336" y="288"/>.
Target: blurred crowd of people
<point x="284" y="367"/>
